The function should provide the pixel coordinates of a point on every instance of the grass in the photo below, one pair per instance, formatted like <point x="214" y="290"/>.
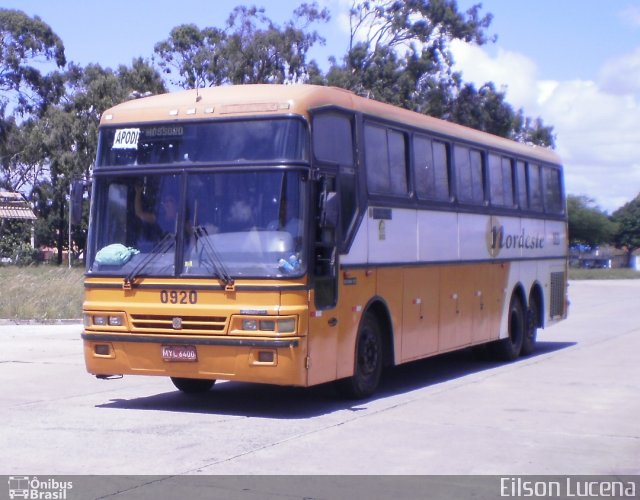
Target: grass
<point x="603" y="274"/>
<point x="42" y="293"/>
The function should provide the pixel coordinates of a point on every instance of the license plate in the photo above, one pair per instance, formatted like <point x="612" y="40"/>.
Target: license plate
<point x="179" y="353"/>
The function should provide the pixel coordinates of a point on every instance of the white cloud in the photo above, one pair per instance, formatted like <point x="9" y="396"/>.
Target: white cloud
<point x="509" y="69"/>
<point x="621" y="75"/>
<point x="597" y="123"/>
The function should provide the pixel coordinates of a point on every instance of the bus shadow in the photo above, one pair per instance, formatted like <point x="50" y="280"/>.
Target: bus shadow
<point x="268" y="401"/>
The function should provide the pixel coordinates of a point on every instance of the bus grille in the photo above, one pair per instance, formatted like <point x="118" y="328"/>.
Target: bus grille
<point x="557" y="294"/>
<point x="148" y="323"/>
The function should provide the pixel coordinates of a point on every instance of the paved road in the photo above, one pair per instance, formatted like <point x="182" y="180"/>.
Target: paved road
<point x="570" y="409"/>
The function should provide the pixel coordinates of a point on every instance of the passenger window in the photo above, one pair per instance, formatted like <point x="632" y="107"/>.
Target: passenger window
<point x="501" y="181"/>
<point x="535" y="193"/>
<point x="441" y="171"/>
<point x="495" y="180"/>
<point x="552" y="190"/>
<point x="470" y="181"/>
<point x="507" y="181"/>
<point x="424" y="170"/>
<point x="397" y="163"/>
<point x="385" y="153"/>
<point x="377" y="159"/>
<point x="522" y="184"/>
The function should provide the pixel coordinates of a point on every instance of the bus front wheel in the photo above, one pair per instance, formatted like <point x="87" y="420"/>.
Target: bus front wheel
<point x="368" y="361"/>
<point x="192" y="385"/>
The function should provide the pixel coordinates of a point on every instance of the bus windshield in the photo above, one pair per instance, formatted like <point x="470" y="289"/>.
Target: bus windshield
<point x="209" y="224"/>
<point x="220" y="141"/>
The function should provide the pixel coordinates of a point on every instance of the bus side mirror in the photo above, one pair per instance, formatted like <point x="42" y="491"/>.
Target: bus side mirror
<point x="75" y="201"/>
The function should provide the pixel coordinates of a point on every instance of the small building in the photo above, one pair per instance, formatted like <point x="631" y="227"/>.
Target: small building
<point x="14" y="206"/>
<point x="604" y="257"/>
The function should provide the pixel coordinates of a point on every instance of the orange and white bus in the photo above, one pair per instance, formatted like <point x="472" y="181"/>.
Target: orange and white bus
<point x="299" y="234"/>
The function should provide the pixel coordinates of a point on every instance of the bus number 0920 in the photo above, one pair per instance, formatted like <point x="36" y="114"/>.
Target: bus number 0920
<point x="178" y="297"/>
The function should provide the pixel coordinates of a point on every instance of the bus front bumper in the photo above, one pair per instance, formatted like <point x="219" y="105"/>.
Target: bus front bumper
<point x="279" y="361"/>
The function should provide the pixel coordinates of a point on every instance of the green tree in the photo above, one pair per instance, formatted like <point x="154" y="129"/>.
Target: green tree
<point x="399" y="53"/>
<point x="26" y="44"/>
<point x="627" y="219"/>
<point x="400" y="49"/>
<point x="23" y="42"/>
<point x="194" y="55"/>
<point x="251" y="49"/>
<point x="530" y="131"/>
<point x="263" y="52"/>
<point x="64" y="140"/>
<point x="588" y="224"/>
<point x="483" y="109"/>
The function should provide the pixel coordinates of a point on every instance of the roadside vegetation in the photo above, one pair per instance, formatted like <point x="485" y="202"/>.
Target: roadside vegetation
<point x="603" y="274"/>
<point x="41" y="293"/>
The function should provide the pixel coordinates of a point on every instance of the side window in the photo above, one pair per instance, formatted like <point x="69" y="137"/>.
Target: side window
<point x="423" y="167"/>
<point x="552" y="190"/>
<point x="477" y="178"/>
<point x="470" y="183"/>
<point x="533" y="182"/>
<point x="495" y="180"/>
<point x="463" y="173"/>
<point x="507" y="181"/>
<point x="501" y="180"/>
<point x="333" y="138"/>
<point x="441" y="171"/>
<point x="385" y="157"/>
<point x="522" y="185"/>
<point x="397" y="162"/>
<point x="377" y="159"/>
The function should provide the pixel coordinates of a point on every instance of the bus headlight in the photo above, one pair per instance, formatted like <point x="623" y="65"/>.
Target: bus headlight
<point x="287" y="325"/>
<point x="102" y="320"/>
<point x="250" y="325"/>
<point x="276" y="326"/>
<point x="99" y="320"/>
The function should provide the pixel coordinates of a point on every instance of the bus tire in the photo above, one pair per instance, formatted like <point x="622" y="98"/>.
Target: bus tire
<point x="509" y="349"/>
<point x="368" y="361"/>
<point x="192" y="385"/>
<point x="531" y="331"/>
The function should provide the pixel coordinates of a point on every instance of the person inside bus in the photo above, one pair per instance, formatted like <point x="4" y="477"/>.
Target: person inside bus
<point x="168" y="213"/>
<point x="240" y="216"/>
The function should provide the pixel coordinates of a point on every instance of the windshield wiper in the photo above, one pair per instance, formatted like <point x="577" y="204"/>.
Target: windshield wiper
<point x="216" y="262"/>
<point x="162" y="247"/>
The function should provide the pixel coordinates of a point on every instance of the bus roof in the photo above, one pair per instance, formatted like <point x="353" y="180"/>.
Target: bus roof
<point x="268" y="100"/>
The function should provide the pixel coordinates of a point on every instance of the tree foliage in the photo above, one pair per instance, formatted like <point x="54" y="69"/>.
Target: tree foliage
<point x="588" y="224"/>
<point x="627" y="218"/>
<point x="399" y="53"/>
<point x="250" y="49"/>
<point x="23" y="41"/>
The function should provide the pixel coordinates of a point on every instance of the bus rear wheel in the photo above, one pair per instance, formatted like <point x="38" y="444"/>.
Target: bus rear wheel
<point x="192" y="385"/>
<point x="531" y="332"/>
<point x="509" y="349"/>
<point x="368" y="361"/>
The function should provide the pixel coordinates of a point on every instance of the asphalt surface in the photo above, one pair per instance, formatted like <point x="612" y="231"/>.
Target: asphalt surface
<point x="571" y="408"/>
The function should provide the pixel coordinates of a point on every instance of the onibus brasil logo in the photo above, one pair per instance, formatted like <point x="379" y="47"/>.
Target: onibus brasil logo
<point x="34" y="488"/>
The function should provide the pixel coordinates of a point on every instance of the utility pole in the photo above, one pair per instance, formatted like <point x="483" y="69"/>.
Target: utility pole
<point x="69" y="217"/>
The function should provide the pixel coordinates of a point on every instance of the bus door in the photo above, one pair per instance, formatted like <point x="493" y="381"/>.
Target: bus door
<point x="337" y="211"/>
<point x="323" y="313"/>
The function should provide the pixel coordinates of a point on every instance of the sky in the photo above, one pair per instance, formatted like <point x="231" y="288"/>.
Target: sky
<point x="573" y="63"/>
